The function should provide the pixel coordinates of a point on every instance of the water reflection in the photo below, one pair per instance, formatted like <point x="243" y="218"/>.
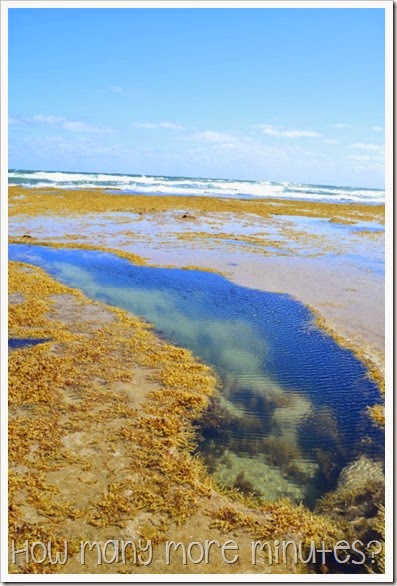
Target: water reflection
<point x="292" y="409"/>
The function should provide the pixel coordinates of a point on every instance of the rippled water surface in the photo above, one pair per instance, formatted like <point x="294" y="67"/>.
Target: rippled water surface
<point x="292" y="410"/>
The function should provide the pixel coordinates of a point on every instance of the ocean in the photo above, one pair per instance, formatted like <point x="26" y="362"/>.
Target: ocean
<point x="194" y="186"/>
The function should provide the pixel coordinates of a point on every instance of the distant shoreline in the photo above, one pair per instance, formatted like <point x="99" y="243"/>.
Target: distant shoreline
<point x="195" y="186"/>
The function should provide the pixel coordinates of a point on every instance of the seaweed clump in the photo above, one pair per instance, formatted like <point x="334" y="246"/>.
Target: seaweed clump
<point x="357" y="505"/>
<point x="74" y="418"/>
<point x="63" y="202"/>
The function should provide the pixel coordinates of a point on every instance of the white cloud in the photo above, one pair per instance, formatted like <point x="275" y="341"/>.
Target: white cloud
<point x="377" y="128"/>
<point x="213" y="136"/>
<point x="279" y="131"/>
<point x="82" y="127"/>
<point x="47" y="119"/>
<point x="367" y="146"/>
<point x="58" y="122"/>
<point x="330" y="141"/>
<point x="340" y="125"/>
<point x="358" y="157"/>
<point x="167" y="125"/>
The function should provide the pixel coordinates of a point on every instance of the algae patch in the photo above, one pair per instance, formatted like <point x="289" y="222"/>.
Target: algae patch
<point x="60" y="201"/>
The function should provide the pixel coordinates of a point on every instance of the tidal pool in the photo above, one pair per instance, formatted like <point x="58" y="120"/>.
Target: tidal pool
<point x="292" y="407"/>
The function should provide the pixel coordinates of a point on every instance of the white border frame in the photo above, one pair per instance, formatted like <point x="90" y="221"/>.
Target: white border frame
<point x="203" y="578"/>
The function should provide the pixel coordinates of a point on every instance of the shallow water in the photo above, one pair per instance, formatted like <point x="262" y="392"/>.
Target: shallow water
<point x="292" y="407"/>
<point x="15" y="343"/>
<point x="152" y="235"/>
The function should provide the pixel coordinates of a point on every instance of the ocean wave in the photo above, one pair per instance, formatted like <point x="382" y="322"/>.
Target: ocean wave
<point x="161" y="185"/>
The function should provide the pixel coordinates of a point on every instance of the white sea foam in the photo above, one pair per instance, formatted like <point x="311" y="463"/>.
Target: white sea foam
<point x="152" y="185"/>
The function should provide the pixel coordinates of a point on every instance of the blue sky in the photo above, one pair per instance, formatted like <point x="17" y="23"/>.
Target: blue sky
<point x="274" y="94"/>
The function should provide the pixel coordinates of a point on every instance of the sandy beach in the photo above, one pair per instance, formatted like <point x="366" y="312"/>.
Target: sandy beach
<point x="127" y="411"/>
